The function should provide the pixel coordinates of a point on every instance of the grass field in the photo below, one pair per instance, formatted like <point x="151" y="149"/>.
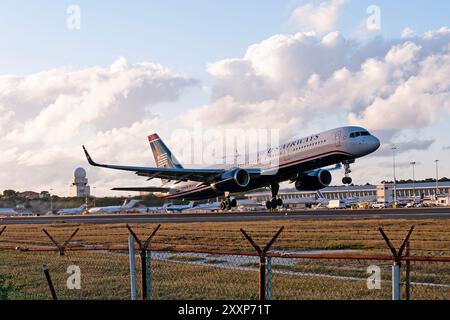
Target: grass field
<point x="105" y="275"/>
<point x="430" y="237"/>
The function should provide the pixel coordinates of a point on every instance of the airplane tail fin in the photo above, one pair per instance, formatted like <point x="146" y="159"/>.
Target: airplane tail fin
<point x="163" y="156"/>
<point x="131" y="204"/>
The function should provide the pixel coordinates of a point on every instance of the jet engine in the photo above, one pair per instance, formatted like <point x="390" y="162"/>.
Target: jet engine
<point x="233" y="180"/>
<point x="313" y="181"/>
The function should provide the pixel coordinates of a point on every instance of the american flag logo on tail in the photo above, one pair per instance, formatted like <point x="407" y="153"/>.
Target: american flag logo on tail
<point x="163" y="161"/>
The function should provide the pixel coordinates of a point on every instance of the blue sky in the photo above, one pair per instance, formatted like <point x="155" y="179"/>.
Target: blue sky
<point x="184" y="35"/>
<point x="187" y="36"/>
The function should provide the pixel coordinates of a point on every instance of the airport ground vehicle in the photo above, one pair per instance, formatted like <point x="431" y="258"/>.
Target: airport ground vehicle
<point x="336" y="204"/>
<point x="379" y="205"/>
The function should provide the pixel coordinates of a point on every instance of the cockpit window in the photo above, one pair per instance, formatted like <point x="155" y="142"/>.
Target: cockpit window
<point x="359" y="134"/>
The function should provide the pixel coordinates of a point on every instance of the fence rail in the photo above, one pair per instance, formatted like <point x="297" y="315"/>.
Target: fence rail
<point x="324" y="256"/>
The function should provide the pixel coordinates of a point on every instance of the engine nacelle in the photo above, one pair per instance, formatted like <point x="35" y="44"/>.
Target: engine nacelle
<point x="314" y="181"/>
<point x="233" y="180"/>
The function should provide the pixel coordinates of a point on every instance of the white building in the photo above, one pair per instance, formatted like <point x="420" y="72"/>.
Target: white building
<point x="385" y="193"/>
<point x="380" y="193"/>
<point x="80" y="187"/>
<point x="443" y="200"/>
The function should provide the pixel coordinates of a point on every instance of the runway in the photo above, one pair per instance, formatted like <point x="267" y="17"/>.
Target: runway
<point x="409" y="214"/>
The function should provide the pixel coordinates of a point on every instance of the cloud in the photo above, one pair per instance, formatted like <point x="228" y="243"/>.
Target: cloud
<point x="407" y="33"/>
<point x="404" y="147"/>
<point x="290" y="81"/>
<point x="398" y="164"/>
<point x="293" y="82"/>
<point x="321" y="19"/>
<point x="47" y="116"/>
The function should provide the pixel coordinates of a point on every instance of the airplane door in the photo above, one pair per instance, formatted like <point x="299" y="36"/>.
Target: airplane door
<point x="338" y="139"/>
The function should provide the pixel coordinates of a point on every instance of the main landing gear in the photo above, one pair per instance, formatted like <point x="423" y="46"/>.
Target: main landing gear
<point x="347" y="180"/>
<point x="274" y="203"/>
<point x="228" y="203"/>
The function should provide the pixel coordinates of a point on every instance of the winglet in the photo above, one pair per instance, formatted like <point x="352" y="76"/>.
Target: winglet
<point x="88" y="157"/>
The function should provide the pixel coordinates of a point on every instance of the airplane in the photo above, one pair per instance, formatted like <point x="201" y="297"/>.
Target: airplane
<point x="210" y="206"/>
<point x="300" y="161"/>
<point x="317" y="201"/>
<point x="167" y="208"/>
<point x="72" y="211"/>
<point x="179" y="207"/>
<point x="7" y="212"/>
<point x="126" y="207"/>
<point x="152" y="209"/>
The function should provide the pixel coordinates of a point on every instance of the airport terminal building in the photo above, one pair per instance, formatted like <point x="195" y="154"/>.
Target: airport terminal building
<point x="380" y="193"/>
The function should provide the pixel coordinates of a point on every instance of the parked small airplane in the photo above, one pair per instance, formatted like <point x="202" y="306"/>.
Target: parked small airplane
<point x="7" y="212"/>
<point x="300" y="161"/>
<point x="126" y="207"/>
<point x="210" y="206"/>
<point x="151" y="209"/>
<point x="179" y="207"/>
<point x="72" y="211"/>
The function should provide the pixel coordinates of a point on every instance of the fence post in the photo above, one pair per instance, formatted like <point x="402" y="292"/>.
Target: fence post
<point x="408" y="274"/>
<point x="143" y="246"/>
<point x="3" y="230"/>
<point x="49" y="281"/>
<point x="397" y="257"/>
<point x="149" y="275"/>
<point x="269" y="278"/>
<point x="132" y="268"/>
<point x="396" y="281"/>
<point x="61" y="247"/>
<point x="262" y="253"/>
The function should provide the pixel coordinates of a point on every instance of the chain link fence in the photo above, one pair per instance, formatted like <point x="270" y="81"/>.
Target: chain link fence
<point x="174" y="275"/>
<point x="91" y="272"/>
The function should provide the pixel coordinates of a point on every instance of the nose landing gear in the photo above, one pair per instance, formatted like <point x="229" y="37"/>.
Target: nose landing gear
<point x="274" y="202"/>
<point x="347" y="179"/>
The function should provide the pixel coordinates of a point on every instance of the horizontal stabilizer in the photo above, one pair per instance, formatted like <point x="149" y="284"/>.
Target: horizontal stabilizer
<point x="142" y="189"/>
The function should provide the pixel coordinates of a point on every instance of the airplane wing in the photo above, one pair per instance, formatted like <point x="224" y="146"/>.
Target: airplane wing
<point x="173" y="174"/>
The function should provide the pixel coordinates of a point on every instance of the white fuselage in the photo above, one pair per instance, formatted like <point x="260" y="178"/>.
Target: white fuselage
<point x="293" y="156"/>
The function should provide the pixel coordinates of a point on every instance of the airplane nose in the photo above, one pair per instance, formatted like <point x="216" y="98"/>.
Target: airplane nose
<point x="375" y="143"/>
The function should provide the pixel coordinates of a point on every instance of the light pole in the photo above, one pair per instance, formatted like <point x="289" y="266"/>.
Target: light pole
<point x="94" y="196"/>
<point x="51" y="200"/>
<point x="413" y="163"/>
<point x="437" y="177"/>
<point x="395" y="177"/>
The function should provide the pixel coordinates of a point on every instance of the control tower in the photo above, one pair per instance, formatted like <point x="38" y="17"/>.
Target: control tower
<point x="79" y="187"/>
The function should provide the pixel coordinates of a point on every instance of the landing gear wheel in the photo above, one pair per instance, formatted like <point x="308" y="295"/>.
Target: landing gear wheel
<point x="228" y="203"/>
<point x="274" y="203"/>
<point x="347" y="180"/>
